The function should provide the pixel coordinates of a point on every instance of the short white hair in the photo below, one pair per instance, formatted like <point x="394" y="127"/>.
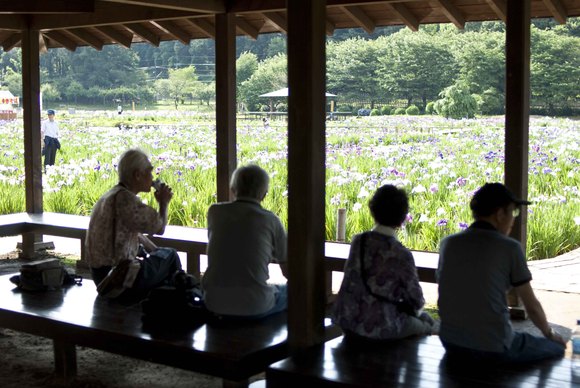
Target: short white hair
<point x="131" y="161"/>
<point x="250" y="181"/>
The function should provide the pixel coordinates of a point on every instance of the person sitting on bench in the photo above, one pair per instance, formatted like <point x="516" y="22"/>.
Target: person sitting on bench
<point x="476" y="268"/>
<point x="117" y="224"/>
<point x="380" y="297"/>
<point x="243" y="239"/>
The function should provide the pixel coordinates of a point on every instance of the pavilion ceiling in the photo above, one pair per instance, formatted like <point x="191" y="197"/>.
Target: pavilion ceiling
<point x="95" y="23"/>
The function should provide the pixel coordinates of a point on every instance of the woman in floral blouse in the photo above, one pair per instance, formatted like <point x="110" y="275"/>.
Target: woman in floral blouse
<point x="380" y="296"/>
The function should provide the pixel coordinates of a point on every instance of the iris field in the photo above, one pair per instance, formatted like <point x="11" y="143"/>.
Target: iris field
<point x="439" y="162"/>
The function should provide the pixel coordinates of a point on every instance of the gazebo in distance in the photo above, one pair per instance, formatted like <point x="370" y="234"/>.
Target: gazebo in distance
<point x="7" y="102"/>
<point x="283" y="93"/>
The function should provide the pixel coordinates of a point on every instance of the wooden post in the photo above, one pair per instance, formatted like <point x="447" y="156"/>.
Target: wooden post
<point x="306" y="171"/>
<point x="225" y="47"/>
<point x="65" y="359"/>
<point x="517" y="117"/>
<point x="341" y="225"/>
<point x="31" y="123"/>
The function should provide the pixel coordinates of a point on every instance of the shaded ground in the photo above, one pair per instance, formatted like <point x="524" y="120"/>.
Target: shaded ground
<point x="28" y="361"/>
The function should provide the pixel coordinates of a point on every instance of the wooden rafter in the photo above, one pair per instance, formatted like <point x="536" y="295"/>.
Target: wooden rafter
<point x="330" y="27"/>
<point x="87" y="37"/>
<point x="174" y="30"/>
<point x="277" y="21"/>
<point x="405" y="15"/>
<point x="499" y="7"/>
<point x="116" y="35"/>
<point x="451" y="12"/>
<point x="557" y="9"/>
<point x="33" y="7"/>
<point x="211" y="6"/>
<point x="144" y="33"/>
<point x="360" y="18"/>
<point x="11" y="42"/>
<point x="61" y="39"/>
<point x="42" y="46"/>
<point x="247" y="28"/>
<point x="204" y="26"/>
<point x="111" y="14"/>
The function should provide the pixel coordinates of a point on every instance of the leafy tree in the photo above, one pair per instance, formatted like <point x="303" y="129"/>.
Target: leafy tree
<point x="205" y="92"/>
<point x="415" y="65"/>
<point x="270" y="75"/>
<point x="555" y="73"/>
<point x="351" y="70"/>
<point x="182" y="83"/>
<point x="456" y="102"/>
<point x="49" y="93"/>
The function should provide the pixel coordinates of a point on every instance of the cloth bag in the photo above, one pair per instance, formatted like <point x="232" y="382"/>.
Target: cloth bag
<point x="120" y="277"/>
<point x="43" y="275"/>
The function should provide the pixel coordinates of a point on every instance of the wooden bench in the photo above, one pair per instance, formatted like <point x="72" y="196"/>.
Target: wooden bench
<point x="76" y="316"/>
<point x="192" y="241"/>
<point x="416" y="362"/>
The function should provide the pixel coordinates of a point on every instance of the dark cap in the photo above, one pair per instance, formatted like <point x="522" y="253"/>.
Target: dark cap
<point x="493" y="196"/>
<point x="50" y="112"/>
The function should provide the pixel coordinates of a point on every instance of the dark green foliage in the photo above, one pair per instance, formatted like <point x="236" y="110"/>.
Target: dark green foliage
<point x="429" y="108"/>
<point x="386" y="110"/>
<point x="400" y="111"/>
<point x="412" y="110"/>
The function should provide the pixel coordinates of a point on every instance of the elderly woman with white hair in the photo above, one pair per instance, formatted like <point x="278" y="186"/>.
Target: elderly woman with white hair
<point x="116" y="231"/>
<point x="244" y="239"/>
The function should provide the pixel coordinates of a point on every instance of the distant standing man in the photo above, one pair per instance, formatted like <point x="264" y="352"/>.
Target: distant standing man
<point x="49" y="134"/>
<point x="243" y="239"/>
<point x="119" y="109"/>
<point x="476" y="268"/>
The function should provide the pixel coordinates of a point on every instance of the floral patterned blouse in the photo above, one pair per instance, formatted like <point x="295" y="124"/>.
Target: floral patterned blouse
<point x="109" y="243"/>
<point x="391" y="275"/>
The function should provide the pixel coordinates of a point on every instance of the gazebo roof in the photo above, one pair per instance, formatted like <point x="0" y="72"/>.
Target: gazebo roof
<point x="95" y="23"/>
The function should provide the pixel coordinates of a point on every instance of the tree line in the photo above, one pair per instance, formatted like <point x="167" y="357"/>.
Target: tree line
<point x="438" y="69"/>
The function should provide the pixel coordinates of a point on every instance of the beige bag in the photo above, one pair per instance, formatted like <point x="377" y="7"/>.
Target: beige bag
<point x="120" y="277"/>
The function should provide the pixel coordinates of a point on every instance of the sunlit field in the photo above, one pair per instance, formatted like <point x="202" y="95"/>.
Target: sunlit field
<point x="439" y="162"/>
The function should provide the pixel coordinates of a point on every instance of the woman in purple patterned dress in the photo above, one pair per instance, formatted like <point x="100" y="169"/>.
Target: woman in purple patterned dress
<point x="380" y="296"/>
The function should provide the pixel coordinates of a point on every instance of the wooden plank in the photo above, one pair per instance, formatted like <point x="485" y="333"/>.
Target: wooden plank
<point x="413" y="362"/>
<point x="144" y="32"/>
<point x="452" y="13"/>
<point x="226" y="153"/>
<point x="231" y="350"/>
<point x="12" y="41"/>
<point x="176" y="31"/>
<point x="247" y="28"/>
<point x="557" y="9"/>
<point x="405" y="15"/>
<point x="213" y="6"/>
<point x="121" y="38"/>
<point x="87" y="37"/>
<point x="306" y="170"/>
<point x="62" y="39"/>
<point x="52" y="7"/>
<point x="500" y="8"/>
<point x="360" y="18"/>
<point x="277" y="20"/>
<point x="204" y="26"/>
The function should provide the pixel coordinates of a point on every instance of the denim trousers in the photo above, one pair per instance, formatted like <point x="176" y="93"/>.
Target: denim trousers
<point x="524" y="348"/>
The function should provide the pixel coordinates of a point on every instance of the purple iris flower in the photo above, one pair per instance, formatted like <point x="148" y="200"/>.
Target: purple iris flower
<point x="442" y="222"/>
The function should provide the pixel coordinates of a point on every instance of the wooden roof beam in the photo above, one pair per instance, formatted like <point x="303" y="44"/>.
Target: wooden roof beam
<point x="87" y="37"/>
<point x="452" y="13"/>
<point x="43" y="7"/>
<point x="499" y="7"/>
<point x="246" y="28"/>
<point x="174" y="30"/>
<point x="557" y="9"/>
<point x="330" y="27"/>
<point x="11" y="42"/>
<point x="277" y="21"/>
<point x="13" y="22"/>
<point x="145" y="33"/>
<point x="208" y="6"/>
<point x="405" y="15"/>
<point x="117" y="36"/>
<point x="360" y="18"/>
<point x="204" y="26"/>
<point x="61" y="39"/>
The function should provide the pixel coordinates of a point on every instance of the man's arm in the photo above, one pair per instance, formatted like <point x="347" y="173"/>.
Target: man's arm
<point x="536" y="312"/>
<point x="148" y="244"/>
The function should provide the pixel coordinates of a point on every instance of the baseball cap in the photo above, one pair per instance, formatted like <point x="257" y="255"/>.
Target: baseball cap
<point x="50" y="112"/>
<point x="492" y="196"/>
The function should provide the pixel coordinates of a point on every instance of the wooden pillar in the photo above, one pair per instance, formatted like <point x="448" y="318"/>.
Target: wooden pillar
<point x="306" y="170"/>
<point x="31" y="123"/>
<point x="225" y="48"/>
<point x="517" y="115"/>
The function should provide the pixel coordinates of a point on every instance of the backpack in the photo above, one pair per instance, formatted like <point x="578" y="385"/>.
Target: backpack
<point x="43" y="275"/>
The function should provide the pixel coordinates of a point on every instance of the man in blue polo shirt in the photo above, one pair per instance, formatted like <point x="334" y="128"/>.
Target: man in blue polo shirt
<point x="476" y="268"/>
